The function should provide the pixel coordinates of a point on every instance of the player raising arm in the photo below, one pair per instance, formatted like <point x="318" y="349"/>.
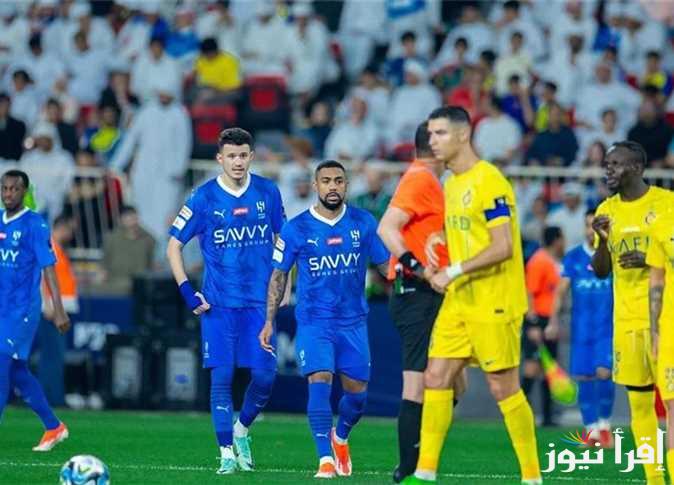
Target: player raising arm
<point x="235" y="217"/>
<point x="331" y="245"/>
<point x="623" y="223"/>
<point x="26" y="256"/>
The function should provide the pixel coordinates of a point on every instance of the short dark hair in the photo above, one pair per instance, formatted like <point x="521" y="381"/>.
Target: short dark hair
<point x="517" y="33"/>
<point x="495" y="102"/>
<point x="18" y="174"/>
<point x="637" y="151"/>
<point x="329" y="164"/>
<point x="551" y="234"/>
<point x="551" y="86"/>
<point x="35" y="41"/>
<point x="4" y="96"/>
<point x="23" y="74"/>
<point x="653" y="54"/>
<point x="461" y="40"/>
<point x="159" y="39"/>
<point x="422" y="140"/>
<point x="208" y="45"/>
<point x="235" y="136"/>
<point x="512" y="5"/>
<point x="408" y="35"/>
<point x="53" y="102"/>
<point x="591" y="211"/>
<point x="455" y="114"/>
<point x="488" y="56"/>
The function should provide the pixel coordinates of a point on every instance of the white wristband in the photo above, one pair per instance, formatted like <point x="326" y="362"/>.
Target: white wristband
<point x="454" y="271"/>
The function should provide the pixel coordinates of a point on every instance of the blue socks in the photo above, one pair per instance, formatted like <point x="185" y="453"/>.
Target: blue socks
<point x="587" y="402"/>
<point x="32" y="394"/>
<point x="257" y="395"/>
<point x="221" y="403"/>
<point x="351" y="408"/>
<point x="606" y="396"/>
<point x="320" y="416"/>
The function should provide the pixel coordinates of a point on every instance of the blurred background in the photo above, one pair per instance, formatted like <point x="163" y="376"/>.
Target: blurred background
<point x="114" y="108"/>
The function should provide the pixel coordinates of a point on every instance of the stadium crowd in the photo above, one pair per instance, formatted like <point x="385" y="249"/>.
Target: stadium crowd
<point x="99" y="84"/>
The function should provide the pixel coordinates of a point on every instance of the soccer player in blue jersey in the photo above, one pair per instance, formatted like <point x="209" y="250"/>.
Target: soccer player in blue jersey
<point x="331" y="245"/>
<point x="26" y="256"/>
<point x="236" y="218"/>
<point x="591" y="335"/>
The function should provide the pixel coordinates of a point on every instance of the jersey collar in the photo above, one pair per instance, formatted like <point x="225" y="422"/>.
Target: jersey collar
<point x="7" y="220"/>
<point x="234" y="193"/>
<point x="588" y="249"/>
<point x="329" y="222"/>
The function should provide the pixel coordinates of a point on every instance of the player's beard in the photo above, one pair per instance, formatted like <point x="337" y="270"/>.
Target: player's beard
<point x="332" y="206"/>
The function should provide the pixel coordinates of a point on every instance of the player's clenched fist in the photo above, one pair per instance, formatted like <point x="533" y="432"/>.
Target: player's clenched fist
<point x="62" y="323"/>
<point x="602" y="225"/>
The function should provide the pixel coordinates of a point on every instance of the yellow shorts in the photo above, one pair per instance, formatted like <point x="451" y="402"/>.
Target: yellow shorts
<point x="665" y="367"/>
<point x="492" y="345"/>
<point x="633" y="363"/>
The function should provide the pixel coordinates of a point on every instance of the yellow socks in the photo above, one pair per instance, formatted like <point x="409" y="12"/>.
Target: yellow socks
<point x="519" y="421"/>
<point x="645" y="424"/>
<point x="670" y="463"/>
<point x="435" y="420"/>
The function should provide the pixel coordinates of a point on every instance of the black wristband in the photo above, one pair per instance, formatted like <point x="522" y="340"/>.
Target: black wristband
<point x="411" y="264"/>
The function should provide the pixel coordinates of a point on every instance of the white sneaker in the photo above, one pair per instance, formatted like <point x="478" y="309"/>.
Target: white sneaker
<point x="533" y="481"/>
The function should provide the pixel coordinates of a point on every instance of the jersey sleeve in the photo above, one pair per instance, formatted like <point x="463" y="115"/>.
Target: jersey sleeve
<point x="414" y="195"/>
<point x="286" y="249"/>
<point x="498" y="199"/>
<point x="41" y="240"/>
<point x="278" y="213"/>
<point x="189" y="221"/>
<point x="534" y="277"/>
<point x="378" y="254"/>
<point x="655" y="254"/>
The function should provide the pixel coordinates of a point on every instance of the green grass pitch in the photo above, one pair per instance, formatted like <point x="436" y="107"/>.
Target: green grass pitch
<point x="179" y="448"/>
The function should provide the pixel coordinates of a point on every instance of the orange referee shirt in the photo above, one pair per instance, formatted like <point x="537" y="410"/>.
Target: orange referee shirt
<point x="66" y="279"/>
<point x="542" y="274"/>
<point x="419" y="193"/>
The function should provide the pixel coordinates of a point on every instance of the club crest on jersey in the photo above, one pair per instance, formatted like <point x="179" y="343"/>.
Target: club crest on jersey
<point x="355" y="238"/>
<point x="16" y="235"/>
<point x="333" y="241"/>
<point x="260" y="209"/>
<point x="650" y="217"/>
<point x="240" y="211"/>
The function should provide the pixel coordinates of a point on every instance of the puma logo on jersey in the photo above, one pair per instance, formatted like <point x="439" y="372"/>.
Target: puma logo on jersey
<point x="220" y="213"/>
<point x="313" y="241"/>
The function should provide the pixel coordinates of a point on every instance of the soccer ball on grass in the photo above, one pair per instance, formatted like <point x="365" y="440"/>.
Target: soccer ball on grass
<point x="84" y="470"/>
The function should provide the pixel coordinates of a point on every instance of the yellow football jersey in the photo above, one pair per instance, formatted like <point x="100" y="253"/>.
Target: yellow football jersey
<point x="661" y="255"/>
<point x="476" y="201"/>
<point x="631" y="223"/>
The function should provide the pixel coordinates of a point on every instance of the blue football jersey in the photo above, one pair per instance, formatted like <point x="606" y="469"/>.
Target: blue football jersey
<point x="25" y="249"/>
<point x="332" y="257"/>
<point x="236" y="232"/>
<point x="591" y="297"/>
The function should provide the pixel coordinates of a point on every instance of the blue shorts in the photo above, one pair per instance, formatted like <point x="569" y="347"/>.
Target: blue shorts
<point x="588" y="356"/>
<point x="334" y="348"/>
<point x="17" y="333"/>
<point x="229" y="338"/>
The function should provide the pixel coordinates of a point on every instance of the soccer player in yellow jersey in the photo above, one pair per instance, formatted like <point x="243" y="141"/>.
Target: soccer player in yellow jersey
<point x="660" y="258"/>
<point x="485" y="297"/>
<point x="623" y="223"/>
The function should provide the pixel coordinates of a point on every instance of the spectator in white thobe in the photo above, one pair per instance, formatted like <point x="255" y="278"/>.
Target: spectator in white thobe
<point x="571" y="215"/>
<point x="410" y="104"/>
<point x="161" y="137"/>
<point x="25" y="99"/>
<point x="97" y="29"/>
<point x="478" y="34"/>
<point x="264" y="48"/>
<point x="354" y="139"/>
<point x="152" y="69"/>
<point x="221" y="25"/>
<point x="44" y="68"/>
<point x="51" y="170"/>
<point x="497" y="137"/>
<point x="513" y="21"/>
<point x="361" y="28"/>
<point x="88" y="69"/>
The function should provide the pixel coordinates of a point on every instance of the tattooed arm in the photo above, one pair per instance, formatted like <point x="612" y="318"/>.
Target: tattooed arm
<point x="655" y="291"/>
<point x="275" y="292"/>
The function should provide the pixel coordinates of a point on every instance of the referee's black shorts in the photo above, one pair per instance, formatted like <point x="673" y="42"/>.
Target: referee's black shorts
<point x="414" y="314"/>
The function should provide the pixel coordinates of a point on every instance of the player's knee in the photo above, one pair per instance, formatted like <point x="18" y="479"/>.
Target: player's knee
<point x="263" y="378"/>
<point x="324" y="377"/>
<point x="603" y="373"/>
<point x="435" y="379"/>
<point x="221" y="378"/>
<point x="358" y="401"/>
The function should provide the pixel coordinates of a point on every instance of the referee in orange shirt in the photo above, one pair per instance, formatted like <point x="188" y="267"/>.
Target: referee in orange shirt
<point x="415" y="212"/>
